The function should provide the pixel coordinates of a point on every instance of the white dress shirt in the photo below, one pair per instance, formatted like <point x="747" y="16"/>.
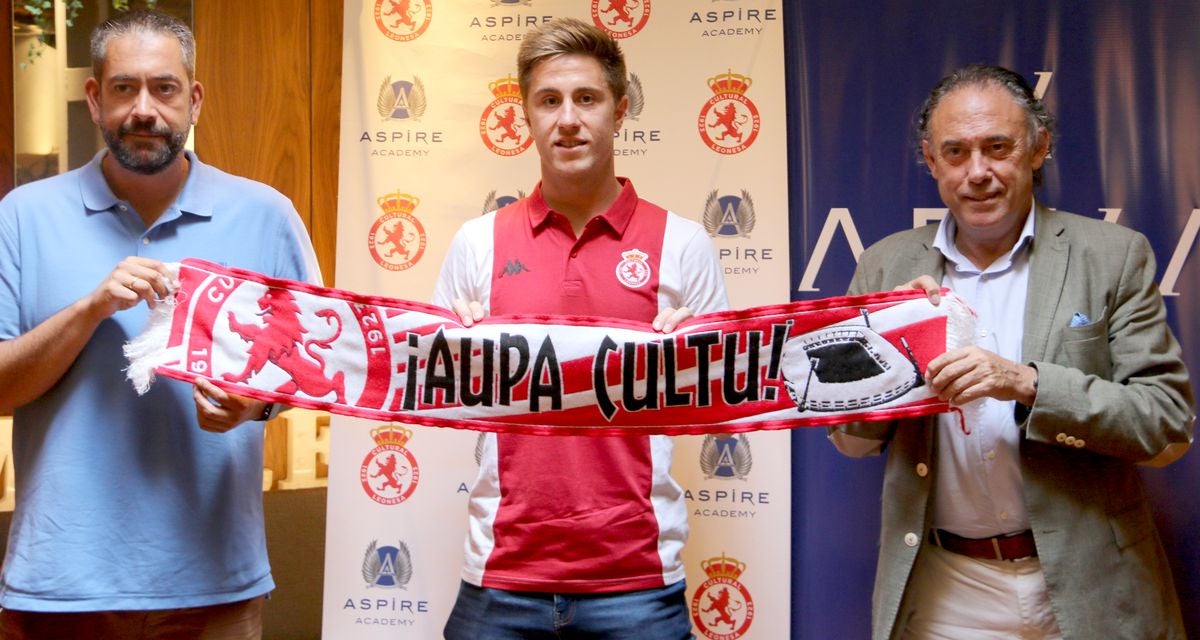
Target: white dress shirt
<point x="979" y="487"/>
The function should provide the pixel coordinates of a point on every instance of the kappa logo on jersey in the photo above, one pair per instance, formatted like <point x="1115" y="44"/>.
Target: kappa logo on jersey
<point x="621" y="18"/>
<point x="729" y="121"/>
<point x="280" y="341"/>
<point x="633" y="270"/>
<point x="845" y="367"/>
<point x="493" y="202"/>
<point x="387" y="567"/>
<point x="401" y="100"/>
<point x="513" y="267"/>
<point x="729" y="216"/>
<point x="722" y="608"/>
<point x="726" y="457"/>
<point x="397" y="239"/>
<point x="389" y="472"/>
<point x="403" y="20"/>
<point x="503" y="126"/>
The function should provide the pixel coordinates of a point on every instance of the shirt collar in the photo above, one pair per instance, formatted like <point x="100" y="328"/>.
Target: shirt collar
<point x="944" y="242"/>
<point x="98" y="196"/>
<point x="616" y="217"/>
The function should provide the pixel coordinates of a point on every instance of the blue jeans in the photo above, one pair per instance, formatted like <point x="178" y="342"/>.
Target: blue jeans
<point x="495" y="614"/>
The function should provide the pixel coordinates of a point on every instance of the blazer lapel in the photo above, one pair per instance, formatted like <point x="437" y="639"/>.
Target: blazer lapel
<point x="1047" y="278"/>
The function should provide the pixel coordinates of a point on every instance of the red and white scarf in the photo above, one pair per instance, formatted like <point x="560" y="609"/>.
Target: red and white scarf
<point x="781" y="366"/>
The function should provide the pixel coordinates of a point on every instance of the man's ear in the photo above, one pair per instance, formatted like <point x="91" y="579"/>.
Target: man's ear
<point x="197" y="98"/>
<point x="620" y="111"/>
<point x="91" y="90"/>
<point x="1041" y="148"/>
<point x="927" y="153"/>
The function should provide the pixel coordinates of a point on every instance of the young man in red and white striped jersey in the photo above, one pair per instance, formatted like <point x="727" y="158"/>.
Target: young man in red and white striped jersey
<point x="576" y="536"/>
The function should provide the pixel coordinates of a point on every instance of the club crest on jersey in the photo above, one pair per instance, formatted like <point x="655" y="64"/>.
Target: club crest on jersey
<point x="280" y="341"/>
<point x="726" y="457"/>
<point x="403" y="20"/>
<point x="729" y="121"/>
<point x="729" y="216"/>
<point x="722" y="608"/>
<point x="389" y="472"/>
<point x="397" y="239"/>
<point x="503" y="126"/>
<point x="633" y="270"/>
<point x="401" y="100"/>
<point x="387" y="567"/>
<point x="621" y="18"/>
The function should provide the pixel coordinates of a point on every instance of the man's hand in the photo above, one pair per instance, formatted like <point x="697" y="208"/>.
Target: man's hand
<point x="932" y="289"/>
<point x="468" y="312"/>
<point x="131" y="281"/>
<point x="669" y="318"/>
<point x="219" y="411"/>
<point x="970" y="373"/>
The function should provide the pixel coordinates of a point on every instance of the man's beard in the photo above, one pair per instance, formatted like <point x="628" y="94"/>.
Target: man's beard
<point x="140" y="161"/>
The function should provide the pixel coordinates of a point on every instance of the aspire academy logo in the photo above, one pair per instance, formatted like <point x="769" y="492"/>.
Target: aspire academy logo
<point x="722" y="608"/>
<point x="729" y="121"/>
<point x="279" y="341"/>
<point x="389" y="472"/>
<point x="401" y="100"/>
<point x="495" y="201"/>
<point x="729" y="216"/>
<point x="621" y="18"/>
<point x="726" y="457"/>
<point x="397" y="239"/>
<point x="502" y="126"/>
<point x="388" y="567"/>
<point x="403" y="20"/>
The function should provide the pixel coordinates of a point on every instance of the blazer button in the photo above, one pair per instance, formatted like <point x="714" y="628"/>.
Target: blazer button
<point x="922" y="469"/>
<point x="1069" y="441"/>
<point x="911" y="539"/>
<point x="1061" y="437"/>
<point x="1079" y="443"/>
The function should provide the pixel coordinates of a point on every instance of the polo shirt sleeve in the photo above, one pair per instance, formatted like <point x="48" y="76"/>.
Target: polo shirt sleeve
<point x="10" y="271"/>
<point x="704" y="286"/>
<point x="296" y="259"/>
<point x="466" y="270"/>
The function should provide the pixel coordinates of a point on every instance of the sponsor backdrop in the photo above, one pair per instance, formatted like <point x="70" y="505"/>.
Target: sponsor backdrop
<point x="1123" y="79"/>
<point x="433" y="134"/>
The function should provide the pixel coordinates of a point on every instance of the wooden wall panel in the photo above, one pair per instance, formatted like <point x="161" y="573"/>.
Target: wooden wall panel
<point x="326" y="73"/>
<point x="253" y="60"/>
<point x="7" y="134"/>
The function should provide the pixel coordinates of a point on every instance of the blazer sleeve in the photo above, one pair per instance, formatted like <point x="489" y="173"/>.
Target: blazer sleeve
<point x="1117" y="387"/>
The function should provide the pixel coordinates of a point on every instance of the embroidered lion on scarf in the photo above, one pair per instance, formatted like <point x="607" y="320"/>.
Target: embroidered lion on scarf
<point x="280" y="341"/>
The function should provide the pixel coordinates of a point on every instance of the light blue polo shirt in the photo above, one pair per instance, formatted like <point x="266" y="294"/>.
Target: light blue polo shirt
<point x="123" y="502"/>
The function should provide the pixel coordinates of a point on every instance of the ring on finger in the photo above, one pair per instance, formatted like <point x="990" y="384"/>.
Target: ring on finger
<point x="132" y="281"/>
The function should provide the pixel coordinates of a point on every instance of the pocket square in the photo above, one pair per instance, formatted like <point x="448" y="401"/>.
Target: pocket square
<point x="1080" y="319"/>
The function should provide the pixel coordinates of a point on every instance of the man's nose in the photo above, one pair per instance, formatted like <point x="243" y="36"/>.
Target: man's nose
<point x="978" y="167"/>
<point x="568" y="115"/>
<point x="143" y="105"/>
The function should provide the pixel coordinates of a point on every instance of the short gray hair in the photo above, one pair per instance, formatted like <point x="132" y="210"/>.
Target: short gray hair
<point x="143" y="21"/>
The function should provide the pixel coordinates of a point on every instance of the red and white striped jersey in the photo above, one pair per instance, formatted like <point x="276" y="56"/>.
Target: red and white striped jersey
<point x="579" y="514"/>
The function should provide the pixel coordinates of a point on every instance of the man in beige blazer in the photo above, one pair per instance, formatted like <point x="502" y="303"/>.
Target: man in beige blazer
<point x="1022" y="514"/>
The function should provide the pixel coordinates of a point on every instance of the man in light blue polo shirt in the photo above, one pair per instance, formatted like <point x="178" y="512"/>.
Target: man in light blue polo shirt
<point x="136" y="517"/>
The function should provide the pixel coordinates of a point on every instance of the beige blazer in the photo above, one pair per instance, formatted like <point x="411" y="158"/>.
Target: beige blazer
<point x="1118" y="387"/>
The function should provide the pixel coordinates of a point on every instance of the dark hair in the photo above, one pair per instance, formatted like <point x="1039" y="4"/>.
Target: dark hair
<point x="565" y="36"/>
<point x="143" y="21"/>
<point x="980" y="75"/>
